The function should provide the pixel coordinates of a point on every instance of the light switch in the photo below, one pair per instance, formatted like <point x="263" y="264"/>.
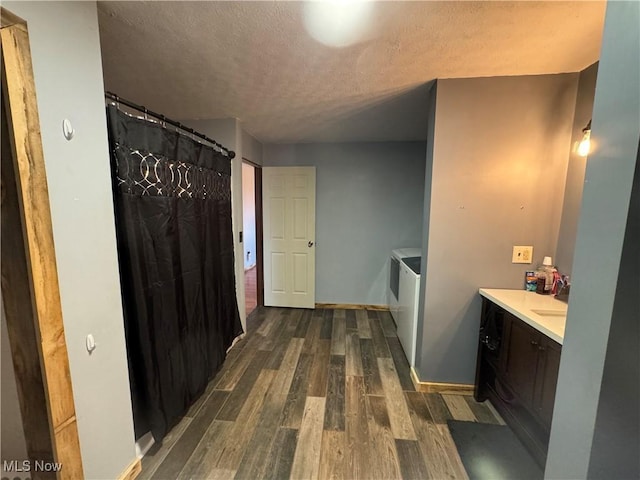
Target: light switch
<point x="522" y="254"/>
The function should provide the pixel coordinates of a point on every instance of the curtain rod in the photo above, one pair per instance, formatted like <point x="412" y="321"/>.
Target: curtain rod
<point x="112" y="96"/>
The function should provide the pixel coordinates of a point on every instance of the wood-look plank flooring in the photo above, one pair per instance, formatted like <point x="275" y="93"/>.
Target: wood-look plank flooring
<point x="316" y="394"/>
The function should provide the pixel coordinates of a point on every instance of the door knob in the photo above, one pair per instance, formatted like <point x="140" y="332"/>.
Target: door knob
<point x="310" y="244"/>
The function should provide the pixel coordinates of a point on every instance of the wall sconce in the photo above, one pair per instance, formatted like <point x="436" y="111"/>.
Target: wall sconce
<point x="585" y="143"/>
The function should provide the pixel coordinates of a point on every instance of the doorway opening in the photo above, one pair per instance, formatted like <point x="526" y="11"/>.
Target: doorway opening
<point x="252" y="235"/>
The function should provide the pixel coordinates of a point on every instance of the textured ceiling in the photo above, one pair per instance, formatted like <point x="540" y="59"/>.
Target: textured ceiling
<point x="256" y="61"/>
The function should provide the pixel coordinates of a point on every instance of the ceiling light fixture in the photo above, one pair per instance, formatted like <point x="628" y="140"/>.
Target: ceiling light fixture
<point x="585" y="143"/>
<point x="338" y="23"/>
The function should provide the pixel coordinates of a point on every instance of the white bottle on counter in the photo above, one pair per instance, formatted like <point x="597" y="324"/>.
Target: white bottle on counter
<point x="545" y="274"/>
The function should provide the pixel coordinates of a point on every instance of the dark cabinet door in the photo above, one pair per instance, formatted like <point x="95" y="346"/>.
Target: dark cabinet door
<point x="547" y="380"/>
<point x="518" y="374"/>
<point x="522" y="360"/>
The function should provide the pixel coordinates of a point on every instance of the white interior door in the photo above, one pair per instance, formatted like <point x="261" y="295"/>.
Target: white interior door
<point x="289" y="229"/>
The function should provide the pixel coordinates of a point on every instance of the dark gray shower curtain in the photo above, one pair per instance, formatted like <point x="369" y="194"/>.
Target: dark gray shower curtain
<point x="172" y="199"/>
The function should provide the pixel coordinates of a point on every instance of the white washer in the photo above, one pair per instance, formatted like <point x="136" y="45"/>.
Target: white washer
<point x="407" y="317"/>
<point x="393" y="292"/>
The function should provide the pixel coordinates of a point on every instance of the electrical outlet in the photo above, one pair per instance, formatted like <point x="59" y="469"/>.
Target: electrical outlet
<point x="522" y="254"/>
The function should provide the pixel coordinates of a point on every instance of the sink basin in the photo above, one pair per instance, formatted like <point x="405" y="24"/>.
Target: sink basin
<point x="549" y="313"/>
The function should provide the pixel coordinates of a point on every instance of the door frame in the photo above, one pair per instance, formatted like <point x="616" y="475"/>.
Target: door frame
<point x="257" y="172"/>
<point x="30" y="290"/>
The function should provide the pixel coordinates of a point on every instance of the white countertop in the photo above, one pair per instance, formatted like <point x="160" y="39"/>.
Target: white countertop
<point x="542" y="312"/>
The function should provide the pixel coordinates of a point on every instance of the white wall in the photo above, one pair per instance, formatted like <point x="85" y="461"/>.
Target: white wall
<point x="12" y="440"/>
<point x="499" y="166"/>
<point x="368" y="201"/>
<point x="68" y="76"/>
<point x="249" y="214"/>
<point x="228" y="133"/>
<point x="593" y="324"/>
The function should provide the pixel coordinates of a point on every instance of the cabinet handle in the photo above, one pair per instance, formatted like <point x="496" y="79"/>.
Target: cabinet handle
<point x="534" y="343"/>
<point x="541" y="348"/>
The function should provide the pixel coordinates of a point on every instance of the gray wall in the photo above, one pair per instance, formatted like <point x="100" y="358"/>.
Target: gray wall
<point x="426" y="210"/>
<point x="599" y="303"/>
<point x="499" y="168"/>
<point x="251" y="148"/>
<point x="67" y="66"/>
<point x="12" y="438"/>
<point x="368" y="201"/>
<point x="616" y="441"/>
<point x="575" y="171"/>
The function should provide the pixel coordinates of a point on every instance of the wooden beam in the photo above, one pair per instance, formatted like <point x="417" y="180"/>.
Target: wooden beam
<point x="132" y="471"/>
<point x="33" y="198"/>
<point x="8" y="19"/>
<point x="18" y="305"/>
